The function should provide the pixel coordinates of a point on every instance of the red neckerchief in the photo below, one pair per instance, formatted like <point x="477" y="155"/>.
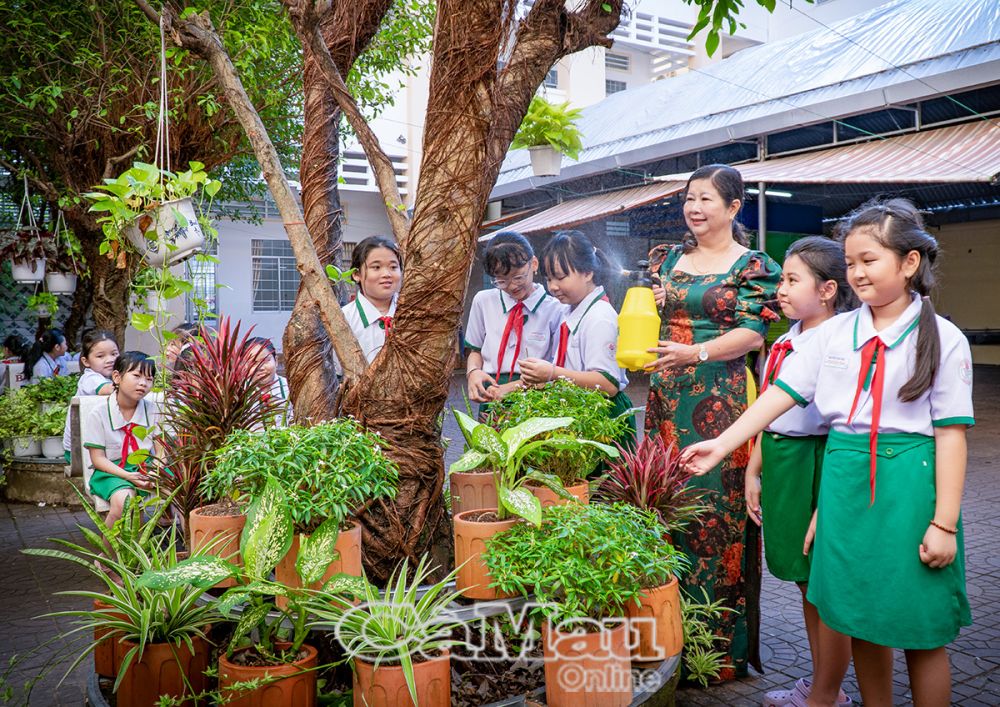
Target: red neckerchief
<point x="778" y="353"/>
<point x="385" y="322"/>
<point x="563" y="344"/>
<point x="873" y="354"/>
<point x="515" y="323"/>
<point x="129" y="442"/>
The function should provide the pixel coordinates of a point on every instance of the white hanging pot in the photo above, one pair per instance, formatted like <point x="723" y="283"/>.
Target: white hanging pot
<point x="43" y="312"/>
<point x="545" y="161"/>
<point x="60" y="283"/>
<point x="157" y="306"/>
<point x="52" y="447"/>
<point x="25" y="447"/>
<point x="28" y="271"/>
<point x="178" y="233"/>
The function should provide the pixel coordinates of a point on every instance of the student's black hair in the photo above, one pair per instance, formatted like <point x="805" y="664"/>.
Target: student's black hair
<point x="897" y="225"/>
<point x="185" y="331"/>
<point x="91" y="338"/>
<point x="17" y="345"/>
<point x="48" y="340"/>
<point x="135" y="360"/>
<point x="362" y="249"/>
<point x="507" y="251"/>
<point x="729" y="183"/>
<point x="264" y="342"/>
<point x="573" y="250"/>
<point x="825" y="259"/>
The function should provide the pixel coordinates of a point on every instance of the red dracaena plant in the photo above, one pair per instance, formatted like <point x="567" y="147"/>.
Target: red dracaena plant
<point x="214" y="392"/>
<point x="652" y="478"/>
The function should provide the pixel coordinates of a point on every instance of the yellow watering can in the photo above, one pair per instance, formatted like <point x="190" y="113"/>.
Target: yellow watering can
<point x="638" y="323"/>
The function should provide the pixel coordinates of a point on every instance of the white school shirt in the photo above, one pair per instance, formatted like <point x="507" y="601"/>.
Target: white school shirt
<point x="47" y="367"/>
<point x="90" y="383"/>
<point x="593" y="338"/>
<point x="363" y="316"/>
<point x="799" y="421"/>
<point x="104" y="428"/>
<point x="826" y="369"/>
<point x="279" y="391"/>
<point x="488" y="319"/>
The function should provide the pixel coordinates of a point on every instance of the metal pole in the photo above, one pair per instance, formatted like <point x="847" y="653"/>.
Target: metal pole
<point x="761" y="216"/>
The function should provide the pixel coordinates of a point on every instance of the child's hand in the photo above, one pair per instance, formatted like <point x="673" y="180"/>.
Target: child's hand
<point x="535" y="370"/>
<point x="477" y="381"/>
<point x="751" y="489"/>
<point x="938" y="548"/>
<point x="702" y="457"/>
<point x="140" y="481"/>
<point x="810" y="535"/>
<point x="496" y="392"/>
<point x="659" y="295"/>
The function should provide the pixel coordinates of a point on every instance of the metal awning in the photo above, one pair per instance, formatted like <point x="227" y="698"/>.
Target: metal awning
<point x="590" y="208"/>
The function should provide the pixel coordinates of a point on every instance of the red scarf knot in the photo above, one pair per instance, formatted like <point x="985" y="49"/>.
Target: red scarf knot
<point x="515" y="324"/>
<point x="872" y="374"/>
<point x="778" y="353"/>
<point x="385" y="322"/>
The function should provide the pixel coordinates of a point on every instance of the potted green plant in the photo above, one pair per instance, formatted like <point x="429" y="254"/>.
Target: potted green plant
<point x="45" y="304"/>
<point x="326" y="472"/>
<point x="152" y="210"/>
<point x="65" y="264"/>
<point x="591" y="411"/>
<point x="16" y="411"/>
<point x="549" y="131"/>
<point x="505" y="453"/>
<point x="399" y="641"/>
<point x="584" y="565"/>
<point x="47" y="428"/>
<point x="474" y="489"/>
<point x="26" y="248"/>
<point x="54" y="392"/>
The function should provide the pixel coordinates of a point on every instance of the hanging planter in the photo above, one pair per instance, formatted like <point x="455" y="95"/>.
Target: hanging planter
<point x="30" y="271"/>
<point x="27" y="245"/>
<point x="66" y="264"/>
<point x="45" y="304"/>
<point x="548" y="131"/>
<point x="546" y="161"/>
<point x="167" y="234"/>
<point x="60" y="283"/>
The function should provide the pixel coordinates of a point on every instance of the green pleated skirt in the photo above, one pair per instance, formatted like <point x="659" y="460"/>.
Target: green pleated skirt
<point x="790" y="479"/>
<point x="105" y="485"/>
<point x="867" y="580"/>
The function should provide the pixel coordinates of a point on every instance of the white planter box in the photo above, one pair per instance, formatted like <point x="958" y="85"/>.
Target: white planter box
<point x="178" y="233"/>
<point x="22" y="270"/>
<point x="60" y="283"/>
<point x="26" y="446"/>
<point x="46" y="407"/>
<point x="545" y="161"/>
<point x="52" y="448"/>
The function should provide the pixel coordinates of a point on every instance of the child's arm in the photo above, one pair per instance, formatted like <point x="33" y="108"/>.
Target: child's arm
<point x="496" y="392"/>
<point x="752" y="482"/>
<point x="101" y="462"/>
<point x="105" y="389"/>
<point x="535" y="371"/>
<point x="939" y="547"/>
<point x="702" y="457"/>
<point x="477" y="378"/>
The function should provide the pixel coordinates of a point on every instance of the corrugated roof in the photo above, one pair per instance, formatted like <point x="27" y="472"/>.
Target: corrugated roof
<point x="940" y="46"/>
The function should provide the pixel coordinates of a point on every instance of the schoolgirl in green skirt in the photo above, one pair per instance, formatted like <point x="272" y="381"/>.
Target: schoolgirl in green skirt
<point x="894" y="382"/>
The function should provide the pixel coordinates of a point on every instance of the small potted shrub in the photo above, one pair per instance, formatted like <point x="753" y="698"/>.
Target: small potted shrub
<point x="505" y="453"/>
<point x="16" y="412"/>
<point x="398" y="642"/>
<point x="45" y="304"/>
<point x="152" y="210"/>
<point x="549" y="131"/>
<point x="48" y="430"/>
<point x="65" y="265"/>
<point x="54" y="392"/>
<point x="326" y="472"/>
<point x="584" y="565"/>
<point x="592" y="420"/>
<point x="26" y="248"/>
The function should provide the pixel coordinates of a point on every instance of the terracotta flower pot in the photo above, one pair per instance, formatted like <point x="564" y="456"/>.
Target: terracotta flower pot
<point x="295" y="683"/>
<point x="548" y="497"/>
<point x="587" y="669"/>
<point x="349" y="547"/>
<point x="163" y="670"/>
<point x="208" y="529"/>
<point x="660" y="632"/>
<point x="471" y="491"/>
<point x="470" y="542"/>
<point x="386" y="687"/>
<point x="106" y="660"/>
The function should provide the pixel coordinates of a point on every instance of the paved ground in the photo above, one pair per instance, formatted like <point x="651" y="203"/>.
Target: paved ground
<point x="27" y="586"/>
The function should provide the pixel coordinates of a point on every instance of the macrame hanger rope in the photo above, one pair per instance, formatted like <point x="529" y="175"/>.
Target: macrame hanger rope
<point x="26" y="208"/>
<point x="161" y="158"/>
<point x="60" y="227"/>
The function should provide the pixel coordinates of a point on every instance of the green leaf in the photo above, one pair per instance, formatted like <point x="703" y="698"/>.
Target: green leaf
<point x="472" y="459"/>
<point x="317" y="551"/>
<point x="342" y="583"/>
<point x="202" y="572"/>
<point x="485" y="439"/>
<point x="606" y="7"/>
<point x="267" y="535"/>
<point x="552" y="482"/>
<point x="142" y="321"/>
<point x="466" y="424"/>
<point x="253" y="616"/>
<point x="519" y="434"/>
<point x="712" y="42"/>
<point x="521" y="502"/>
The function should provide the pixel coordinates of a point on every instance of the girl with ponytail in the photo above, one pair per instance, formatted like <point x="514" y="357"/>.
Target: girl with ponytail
<point x="894" y="382"/>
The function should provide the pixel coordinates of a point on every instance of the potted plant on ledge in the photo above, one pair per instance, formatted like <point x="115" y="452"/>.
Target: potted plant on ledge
<point x="548" y="131"/>
<point x="45" y="304"/>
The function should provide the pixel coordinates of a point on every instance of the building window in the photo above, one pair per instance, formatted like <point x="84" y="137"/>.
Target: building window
<point x="611" y="86"/>
<point x="617" y="229"/>
<point x="552" y="78"/>
<point x="617" y="62"/>
<point x="275" y="279"/>
<point x="201" y="274"/>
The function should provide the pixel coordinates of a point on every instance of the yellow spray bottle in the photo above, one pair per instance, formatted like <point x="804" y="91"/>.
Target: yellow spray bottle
<point x="638" y="322"/>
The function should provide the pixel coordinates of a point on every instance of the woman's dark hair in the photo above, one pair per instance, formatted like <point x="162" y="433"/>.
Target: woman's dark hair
<point x="263" y="342"/>
<point x="729" y="183"/>
<point x="825" y="259"/>
<point x="507" y="251"/>
<point x="185" y="331"/>
<point x="573" y="250"/>
<point x="48" y="340"/>
<point x="92" y="337"/>
<point x="897" y="225"/>
<point x="135" y="360"/>
<point x="17" y="345"/>
<point x="362" y="249"/>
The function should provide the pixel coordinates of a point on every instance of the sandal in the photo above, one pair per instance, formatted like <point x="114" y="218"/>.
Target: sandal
<point x="797" y="696"/>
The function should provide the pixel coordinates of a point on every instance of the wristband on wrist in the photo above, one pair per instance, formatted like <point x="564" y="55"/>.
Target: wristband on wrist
<point x="469" y="371"/>
<point x="945" y="528"/>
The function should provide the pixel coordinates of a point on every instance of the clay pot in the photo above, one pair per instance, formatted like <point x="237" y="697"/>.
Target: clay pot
<point x="587" y="669"/>
<point x="296" y="686"/>
<point x="163" y="670"/>
<point x="349" y="562"/>
<point x="470" y="542"/>
<point x="106" y="660"/>
<point x="386" y="687"/>
<point x="472" y="491"/>
<point x="660" y="633"/>
<point x="548" y="497"/>
<point x="207" y="529"/>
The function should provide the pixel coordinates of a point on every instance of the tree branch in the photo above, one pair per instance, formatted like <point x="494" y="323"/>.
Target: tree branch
<point x="118" y="159"/>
